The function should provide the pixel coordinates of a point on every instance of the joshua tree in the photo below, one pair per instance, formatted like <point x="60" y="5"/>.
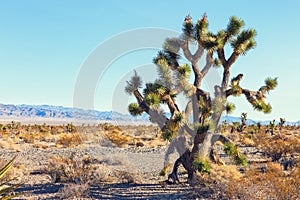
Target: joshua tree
<point x="281" y="123"/>
<point x="243" y="122"/>
<point x="205" y="108"/>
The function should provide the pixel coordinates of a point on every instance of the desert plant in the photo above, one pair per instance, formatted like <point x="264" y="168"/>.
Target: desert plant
<point x="281" y="123"/>
<point x="205" y="108"/>
<point x="231" y="150"/>
<point x="270" y="184"/>
<point x="202" y="165"/>
<point x="243" y="122"/>
<point x="6" y="192"/>
<point x="69" y="139"/>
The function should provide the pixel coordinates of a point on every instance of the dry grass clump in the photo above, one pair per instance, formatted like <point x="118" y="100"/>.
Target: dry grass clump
<point x="77" y="170"/>
<point x="117" y="136"/>
<point x="219" y="174"/>
<point x="277" y="146"/>
<point x="69" y="140"/>
<point x="127" y="177"/>
<point x="74" y="191"/>
<point x="273" y="183"/>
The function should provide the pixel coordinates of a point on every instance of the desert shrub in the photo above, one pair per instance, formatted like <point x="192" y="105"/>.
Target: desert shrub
<point x="72" y="191"/>
<point x="272" y="183"/>
<point x="79" y="170"/>
<point x="28" y="137"/>
<point x="126" y="177"/>
<point x="277" y="146"/>
<point x="69" y="140"/>
<point x="202" y="165"/>
<point x="231" y="150"/>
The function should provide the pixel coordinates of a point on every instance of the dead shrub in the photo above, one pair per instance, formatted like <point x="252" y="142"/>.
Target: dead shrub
<point x="273" y="183"/>
<point x="77" y="170"/>
<point x="69" y="140"/>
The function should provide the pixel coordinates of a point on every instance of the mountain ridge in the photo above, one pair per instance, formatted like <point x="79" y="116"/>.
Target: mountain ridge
<point x="9" y="111"/>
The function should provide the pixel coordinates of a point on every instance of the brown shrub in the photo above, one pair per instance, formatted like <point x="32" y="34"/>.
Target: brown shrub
<point x="69" y="140"/>
<point x="271" y="184"/>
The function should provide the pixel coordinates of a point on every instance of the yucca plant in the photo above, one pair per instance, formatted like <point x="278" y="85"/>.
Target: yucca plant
<point x="6" y="192"/>
<point x="181" y="72"/>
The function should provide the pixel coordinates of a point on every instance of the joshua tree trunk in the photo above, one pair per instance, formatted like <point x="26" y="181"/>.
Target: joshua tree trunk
<point x="203" y="147"/>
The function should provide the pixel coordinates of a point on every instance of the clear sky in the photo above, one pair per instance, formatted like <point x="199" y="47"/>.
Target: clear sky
<point x="44" y="44"/>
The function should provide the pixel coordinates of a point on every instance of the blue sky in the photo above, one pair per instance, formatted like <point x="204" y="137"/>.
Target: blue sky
<point x="44" y="44"/>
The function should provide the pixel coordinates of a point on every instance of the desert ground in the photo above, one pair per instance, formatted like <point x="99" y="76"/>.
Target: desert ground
<point x="105" y="161"/>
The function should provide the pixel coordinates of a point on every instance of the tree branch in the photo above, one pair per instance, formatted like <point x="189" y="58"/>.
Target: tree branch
<point x="209" y="62"/>
<point x="186" y="51"/>
<point x="234" y="56"/>
<point x="198" y="54"/>
<point x="221" y="56"/>
<point x="154" y="114"/>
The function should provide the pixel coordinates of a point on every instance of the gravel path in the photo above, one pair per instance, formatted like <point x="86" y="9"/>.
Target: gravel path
<point x="147" y="162"/>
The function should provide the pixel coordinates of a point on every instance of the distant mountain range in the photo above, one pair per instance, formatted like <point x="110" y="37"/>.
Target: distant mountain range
<point x="47" y="112"/>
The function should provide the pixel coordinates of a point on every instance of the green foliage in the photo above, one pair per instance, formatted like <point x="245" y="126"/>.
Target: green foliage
<point x="152" y="99"/>
<point x="240" y="159"/>
<point x="184" y="70"/>
<point x="217" y="62"/>
<point x="271" y="83"/>
<point x="202" y="129"/>
<point x="234" y="26"/>
<point x="154" y="88"/>
<point x="229" y="107"/>
<point x="178" y="117"/>
<point x="134" y="109"/>
<point x="133" y="84"/>
<point x="236" y="90"/>
<point x="168" y="134"/>
<point x="201" y="29"/>
<point x="262" y="106"/>
<point x="5" y="192"/>
<point x="202" y="165"/>
<point x="188" y="28"/>
<point x="231" y="150"/>
<point x="244" y="41"/>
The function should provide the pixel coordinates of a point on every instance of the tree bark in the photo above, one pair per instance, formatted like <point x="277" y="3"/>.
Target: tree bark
<point x="203" y="148"/>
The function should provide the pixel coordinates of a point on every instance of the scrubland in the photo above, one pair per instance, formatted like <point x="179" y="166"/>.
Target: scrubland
<point x="123" y="162"/>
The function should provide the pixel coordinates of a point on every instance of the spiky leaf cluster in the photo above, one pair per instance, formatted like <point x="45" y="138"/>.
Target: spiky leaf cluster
<point x="155" y="88"/>
<point x="201" y="29"/>
<point x="271" y="83"/>
<point x="184" y="70"/>
<point x="202" y="128"/>
<point x="204" y="106"/>
<point x="230" y="107"/>
<point x="231" y="150"/>
<point x="262" y="106"/>
<point x="134" y="109"/>
<point x="234" y="26"/>
<point x="152" y="99"/>
<point x="178" y="117"/>
<point x="244" y="41"/>
<point x="134" y="84"/>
